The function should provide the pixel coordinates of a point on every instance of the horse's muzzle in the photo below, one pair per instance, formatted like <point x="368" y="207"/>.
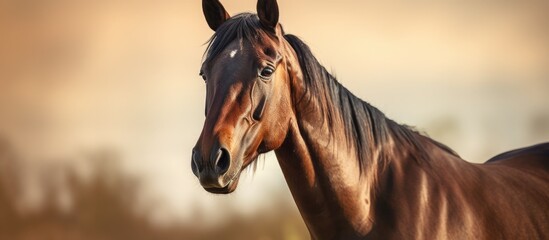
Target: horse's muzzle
<point x="212" y="171"/>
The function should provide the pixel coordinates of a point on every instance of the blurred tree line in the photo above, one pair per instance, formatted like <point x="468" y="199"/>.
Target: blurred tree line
<point x="105" y="207"/>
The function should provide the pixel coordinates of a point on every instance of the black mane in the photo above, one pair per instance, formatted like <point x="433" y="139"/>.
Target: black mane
<point x="366" y="127"/>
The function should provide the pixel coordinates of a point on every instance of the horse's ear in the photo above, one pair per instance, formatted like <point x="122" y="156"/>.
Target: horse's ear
<point x="267" y="10"/>
<point x="215" y="13"/>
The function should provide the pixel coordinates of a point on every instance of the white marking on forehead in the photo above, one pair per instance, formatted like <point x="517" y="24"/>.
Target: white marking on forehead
<point x="233" y="53"/>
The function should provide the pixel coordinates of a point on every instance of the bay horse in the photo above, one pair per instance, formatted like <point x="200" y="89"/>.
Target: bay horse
<point x="353" y="172"/>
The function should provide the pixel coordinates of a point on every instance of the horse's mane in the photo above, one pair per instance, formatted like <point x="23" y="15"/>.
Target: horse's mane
<point x="366" y="128"/>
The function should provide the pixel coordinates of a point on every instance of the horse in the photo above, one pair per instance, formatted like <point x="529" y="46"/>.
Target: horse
<point x="353" y="172"/>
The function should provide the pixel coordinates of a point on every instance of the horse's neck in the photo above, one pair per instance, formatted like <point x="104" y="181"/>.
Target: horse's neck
<point x="332" y="186"/>
<point x="326" y="187"/>
<point x="326" y="181"/>
<point x="332" y="195"/>
<point x="325" y="178"/>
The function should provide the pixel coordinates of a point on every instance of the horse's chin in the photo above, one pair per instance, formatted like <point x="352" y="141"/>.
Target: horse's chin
<point x="231" y="186"/>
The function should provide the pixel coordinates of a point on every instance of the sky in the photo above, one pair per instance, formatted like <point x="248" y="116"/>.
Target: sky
<point x="79" y="77"/>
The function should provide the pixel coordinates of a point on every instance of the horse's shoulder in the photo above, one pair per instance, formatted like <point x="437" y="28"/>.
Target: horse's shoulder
<point x="532" y="156"/>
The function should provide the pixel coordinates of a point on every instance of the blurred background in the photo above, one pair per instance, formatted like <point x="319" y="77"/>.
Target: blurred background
<point x="101" y="103"/>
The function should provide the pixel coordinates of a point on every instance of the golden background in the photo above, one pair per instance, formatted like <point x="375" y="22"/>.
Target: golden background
<point x="101" y="103"/>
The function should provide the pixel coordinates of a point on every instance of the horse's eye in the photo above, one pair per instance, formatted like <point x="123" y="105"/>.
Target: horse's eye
<point x="267" y="72"/>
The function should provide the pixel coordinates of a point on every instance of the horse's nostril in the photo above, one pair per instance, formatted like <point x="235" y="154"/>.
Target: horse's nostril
<point x="223" y="161"/>
<point x="195" y="163"/>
